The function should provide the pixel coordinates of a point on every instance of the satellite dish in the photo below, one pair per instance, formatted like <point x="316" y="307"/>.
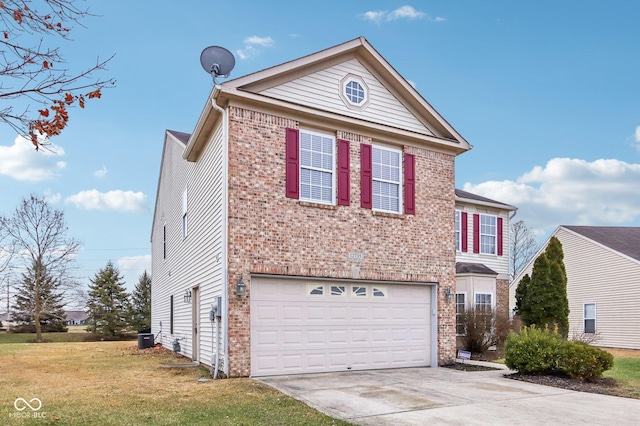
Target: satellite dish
<point x="217" y="61"/>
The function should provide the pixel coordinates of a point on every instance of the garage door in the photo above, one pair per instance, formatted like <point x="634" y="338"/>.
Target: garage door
<point x="308" y="326"/>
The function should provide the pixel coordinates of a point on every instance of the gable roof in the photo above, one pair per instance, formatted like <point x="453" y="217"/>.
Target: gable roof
<point x="623" y="239"/>
<point x="252" y="88"/>
<point x="477" y="199"/>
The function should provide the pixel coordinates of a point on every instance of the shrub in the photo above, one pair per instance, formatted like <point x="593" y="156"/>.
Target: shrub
<point x="579" y="360"/>
<point x="541" y="351"/>
<point x="483" y="329"/>
<point x="532" y="351"/>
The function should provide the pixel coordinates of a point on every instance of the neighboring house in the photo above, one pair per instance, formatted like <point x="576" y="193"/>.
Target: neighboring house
<point x="76" y="317"/>
<point x="307" y="223"/>
<point x="482" y="254"/>
<point x="4" y="318"/>
<point x="603" y="283"/>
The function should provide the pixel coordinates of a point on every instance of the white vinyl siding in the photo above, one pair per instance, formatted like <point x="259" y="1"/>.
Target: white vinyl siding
<point x="184" y="214"/>
<point x="589" y="317"/>
<point x="488" y="234"/>
<point x="317" y="167"/>
<point x="191" y="262"/>
<point x="387" y="176"/>
<point x="321" y="90"/>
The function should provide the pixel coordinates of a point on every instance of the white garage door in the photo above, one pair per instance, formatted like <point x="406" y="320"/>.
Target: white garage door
<point x="308" y="326"/>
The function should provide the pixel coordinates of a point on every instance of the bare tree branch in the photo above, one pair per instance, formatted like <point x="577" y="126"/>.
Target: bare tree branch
<point x="33" y="71"/>
<point x="523" y="247"/>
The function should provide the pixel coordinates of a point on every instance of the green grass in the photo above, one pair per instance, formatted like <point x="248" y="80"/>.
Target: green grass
<point x="626" y="371"/>
<point x="112" y="383"/>
<point x="50" y="337"/>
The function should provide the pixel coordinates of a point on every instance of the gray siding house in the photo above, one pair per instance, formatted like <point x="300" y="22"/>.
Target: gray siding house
<point x="603" y="283"/>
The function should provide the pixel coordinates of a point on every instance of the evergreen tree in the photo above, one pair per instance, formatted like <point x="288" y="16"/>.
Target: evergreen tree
<point x="542" y="298"/>
<point x="558" y="274"/>
<point x="141" y="305"/>
<point x="40" y="300"/>
<point x="521" y="298"/>
<point x="108" y="305"/>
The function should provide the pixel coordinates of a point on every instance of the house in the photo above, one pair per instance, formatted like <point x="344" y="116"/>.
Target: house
<point x="482" y="254"/>
<point x="76" y="317"/>
<point x="306" y="224"/>
<point x="603" y="283"/>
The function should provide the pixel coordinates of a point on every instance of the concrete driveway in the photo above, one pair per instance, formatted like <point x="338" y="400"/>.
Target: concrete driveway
<point x="442" y="396"/>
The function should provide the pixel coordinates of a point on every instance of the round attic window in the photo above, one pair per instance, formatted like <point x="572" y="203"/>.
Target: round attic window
<point x="354" y="92"/>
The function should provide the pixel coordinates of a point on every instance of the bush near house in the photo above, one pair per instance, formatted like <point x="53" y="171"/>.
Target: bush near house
<point x="482" y="330"/>
<point x="542" y="351"/>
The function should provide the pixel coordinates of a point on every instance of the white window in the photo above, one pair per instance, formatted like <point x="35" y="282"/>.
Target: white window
<point x="354" y="92"/>
<point x="338" y="290"/>
<point x="317" y="167"/>
<point x="315" y="290"/>
<point x="184" y="214"/>
<point x="458" y="231"/>
<point x="483" y="302"/>
<point x="460" y="311"/>
<point x="387" y="170"/>
<point x="589" y="317"/>
<point x="379" y="292"/>
<point x="359" y="291"/>
<point x="488" y="234"/>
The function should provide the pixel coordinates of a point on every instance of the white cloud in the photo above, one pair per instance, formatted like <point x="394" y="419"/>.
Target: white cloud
<point x="132" y="267"/>
<point x="252" y="46"/>
<point x="122" y="201"/>
<point x="636" y="138"/>
<point x="570" y="191"/>
<point x="52" y="198"/>
<point x="101" y="172"/>
<point x="22" y="162"/>
<point x="403" y="12"/>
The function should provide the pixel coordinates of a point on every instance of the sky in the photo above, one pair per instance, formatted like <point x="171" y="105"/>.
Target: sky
<point x="547" y="93"/>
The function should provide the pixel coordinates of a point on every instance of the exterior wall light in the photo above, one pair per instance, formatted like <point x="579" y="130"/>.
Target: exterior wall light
<point x="448" y="294"/>
<point x="241" y="288"/>
<point x="187" y="296"/>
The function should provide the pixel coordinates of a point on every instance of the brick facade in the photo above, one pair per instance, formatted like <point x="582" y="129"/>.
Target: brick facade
<point x="269" y="233"/>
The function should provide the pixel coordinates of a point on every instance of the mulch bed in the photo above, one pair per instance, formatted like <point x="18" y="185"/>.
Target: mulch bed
<point x="461" y="366"/>
<point x="158" y="349"/>
<point x="603" y="386"/>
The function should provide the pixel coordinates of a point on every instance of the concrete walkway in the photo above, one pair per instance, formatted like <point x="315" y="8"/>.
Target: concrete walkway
<point x="443" y="396"/>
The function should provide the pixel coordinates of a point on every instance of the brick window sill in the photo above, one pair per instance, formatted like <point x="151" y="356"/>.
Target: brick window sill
<point x="318" y="205"/>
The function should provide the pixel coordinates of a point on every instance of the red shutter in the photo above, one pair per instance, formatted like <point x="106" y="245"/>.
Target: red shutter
<point x="499" y="236"/>
<point x="476" y="233"/>
<point x="465" y="226"/>
<point x="293" y="166"/>
<point x="366" y="177"/>
<point x="409" y="184"/>
<point x="343" y="173"/>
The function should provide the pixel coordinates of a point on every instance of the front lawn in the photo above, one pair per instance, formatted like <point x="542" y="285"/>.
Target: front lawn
<point x="112" y="383"/>
<point x="626" y="370"/>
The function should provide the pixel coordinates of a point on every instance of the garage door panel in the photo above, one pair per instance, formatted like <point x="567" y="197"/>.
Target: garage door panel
<point x="299" y="326"/>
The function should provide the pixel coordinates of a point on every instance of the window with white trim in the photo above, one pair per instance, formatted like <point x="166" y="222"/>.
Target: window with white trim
<point x="589" y="317"/>
<point x="460" y="311"/>
<point x="458" y="231"/>
<point x="338" y="290"/>
<point x="315" y="290"/>
<point x="317" y="167"/>
<point x="386" y="173"/>
<point x="359" y="291"/>
<point x="184" y="214"/>
<point x="483" y="302"/>
<point x="488" y="234"/>
<point x="354" y="91"/>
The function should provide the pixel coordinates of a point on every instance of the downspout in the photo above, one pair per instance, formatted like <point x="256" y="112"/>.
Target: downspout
<point x="225" y="225"/>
